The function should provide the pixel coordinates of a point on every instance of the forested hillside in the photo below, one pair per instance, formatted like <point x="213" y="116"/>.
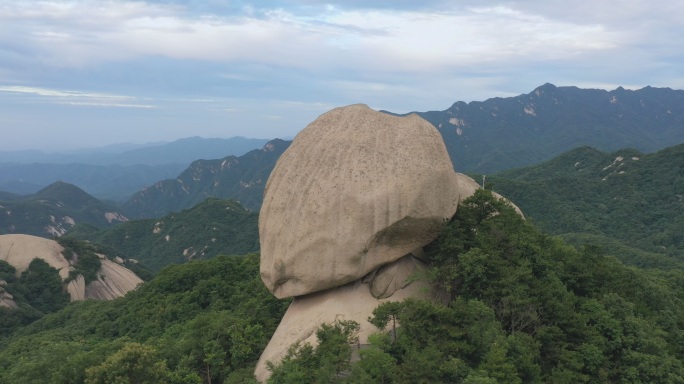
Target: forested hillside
<point x="210" y="228"/>
<point x="520" y="307"/>
<point x="619" y="200"/>
<point x="53" y="210"/>
<point x="240" y="178"/>
<point x="201" y="322"/>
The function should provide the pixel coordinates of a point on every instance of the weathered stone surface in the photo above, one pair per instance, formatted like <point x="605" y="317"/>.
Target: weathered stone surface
<point x="353" y="301"/>
<point x="6" y="299"/>
<point x="113" y="280"/>
<point x="20" y="250"/>
<point x="356" y="189"/>
<point x="394" y="276"/>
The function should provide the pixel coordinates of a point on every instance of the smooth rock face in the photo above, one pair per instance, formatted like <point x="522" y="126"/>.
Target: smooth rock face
<point x="394" y="276"/>
<point x="356" y="189"/>
<point x="113" y="280"/>
<point x="20" y="250"/>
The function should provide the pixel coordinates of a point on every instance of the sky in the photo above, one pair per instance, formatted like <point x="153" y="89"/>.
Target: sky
<point x="80" y="74"/>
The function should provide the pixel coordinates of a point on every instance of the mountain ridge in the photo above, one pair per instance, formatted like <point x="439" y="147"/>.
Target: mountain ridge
<point x="53" y="210"/>
<point x="241" y="178"/>
<point x="502" y="133"/>
<point x="635" y="198"/>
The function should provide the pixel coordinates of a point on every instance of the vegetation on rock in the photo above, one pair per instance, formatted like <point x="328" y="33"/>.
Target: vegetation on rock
<point x="523" y="307"/>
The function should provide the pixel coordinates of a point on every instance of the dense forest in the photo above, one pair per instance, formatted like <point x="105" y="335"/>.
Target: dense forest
<point x="204" y="321"/>
<point x="523" y="307"/>
<point x="212" y="227"/>
<point x="627" y="201"/>
<point x="520" y="306"/>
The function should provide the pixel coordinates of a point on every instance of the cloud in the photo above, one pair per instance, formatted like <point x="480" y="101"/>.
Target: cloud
<point x="57" y="93"/>
<point x="88" y="32"/>
<point x="76" y="98"/>
<point x="229" y="64"/>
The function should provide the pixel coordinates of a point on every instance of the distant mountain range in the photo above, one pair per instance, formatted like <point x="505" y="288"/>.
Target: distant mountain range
<point x="481" y="137"/>
<point x="505" y="133"/>
<point x="241" y="178"/>
<point x="54" y="210"/>
<point x="113" y="172"/>
<point x="110" y="182"/>
<point x="182" y="151"/>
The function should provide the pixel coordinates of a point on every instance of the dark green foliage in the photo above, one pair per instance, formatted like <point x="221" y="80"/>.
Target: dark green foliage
<point x="327" y="363"/>
<point x="41" y="287"/>
<point x="210" y="228"/>
<point x="204" y="321"/>
<point x="133" y="363"/>
<point x="629" y="203"/>
<point x="12" y="319"/>
<point x="523" y="307"/>
<point x="83" y="256"/>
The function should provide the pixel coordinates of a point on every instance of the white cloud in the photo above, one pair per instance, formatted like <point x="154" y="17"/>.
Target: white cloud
<point x="76" y="98"/>
<point x="58" y="93"/>
<point x="89" y="32"/>
<point x="108" y="105"/>
<point x="226" y="66"/>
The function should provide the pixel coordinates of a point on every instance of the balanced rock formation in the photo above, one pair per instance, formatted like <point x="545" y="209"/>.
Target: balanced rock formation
<point x="346" y="212"/>
<point x="355" y="190"/>
<point x="113" y="280"/>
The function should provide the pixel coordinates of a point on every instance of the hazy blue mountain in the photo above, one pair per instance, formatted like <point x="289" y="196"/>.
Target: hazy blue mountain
<point x="19" y="187"/>
<point x="112" y="182"/>
<point x="182" y="151"/>
<point x="503" y="133"/>
<point x="8" y="196"/>
<point x="53" y="210"/>
<point x="114" y="172"/>
<point x="241" y="178"/>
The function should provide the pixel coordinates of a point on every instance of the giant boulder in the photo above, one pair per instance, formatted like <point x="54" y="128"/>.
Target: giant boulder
<point x="355" y="190"/>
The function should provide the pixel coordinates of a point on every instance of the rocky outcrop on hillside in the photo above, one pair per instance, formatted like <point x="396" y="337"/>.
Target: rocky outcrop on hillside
<point x="6" y="298"/>
<point x="113" y="280"/>
<point x="346" y="212"/>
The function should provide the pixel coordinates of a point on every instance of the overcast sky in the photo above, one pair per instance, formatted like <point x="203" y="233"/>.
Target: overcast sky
<point x="86" y="73"/>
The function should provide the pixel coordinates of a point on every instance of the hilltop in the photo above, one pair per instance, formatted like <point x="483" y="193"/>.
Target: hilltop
<point x="53" y="210"/>
<point x="624" y="196"/>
